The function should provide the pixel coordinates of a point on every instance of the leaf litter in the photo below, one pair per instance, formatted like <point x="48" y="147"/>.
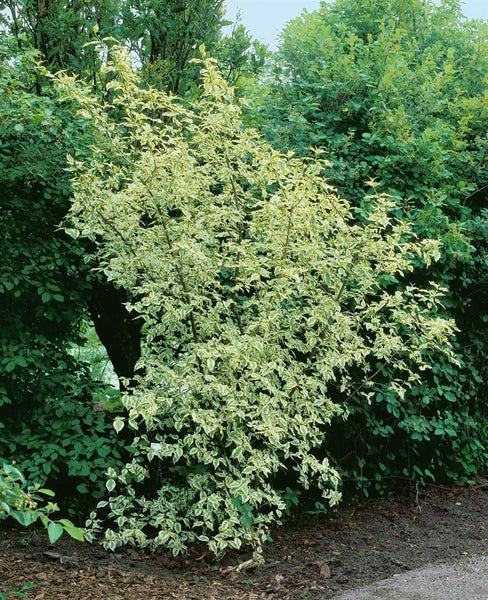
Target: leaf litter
<point x="312" y="557"/>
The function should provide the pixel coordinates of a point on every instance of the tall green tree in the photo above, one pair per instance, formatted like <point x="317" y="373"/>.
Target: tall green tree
<point x="165" y="36"/>
<point x="63" y="33"/>
<point x="41" y="294"/>
<point x="394" y="94"/>
<point x="391" y="91"/>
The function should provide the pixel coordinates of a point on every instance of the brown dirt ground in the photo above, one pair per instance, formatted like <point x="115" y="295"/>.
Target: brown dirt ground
<point x="311" y="558"/>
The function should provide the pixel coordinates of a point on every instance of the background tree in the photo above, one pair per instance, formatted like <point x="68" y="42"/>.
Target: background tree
<point x="63" y="33"/>
<point x="394" y="93"/>
<point x="391" y="91"/>
<point x="165" y="36"/>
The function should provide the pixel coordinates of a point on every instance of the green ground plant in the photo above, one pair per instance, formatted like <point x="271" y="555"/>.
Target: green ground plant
<point x="71" y="440"/>
<point x="20" y="593"/>
<point x="25" y="504"/>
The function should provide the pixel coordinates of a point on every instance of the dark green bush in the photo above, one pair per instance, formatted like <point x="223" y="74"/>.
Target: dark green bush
<point x="394" y="95"/>
<point x="68" y="444"/>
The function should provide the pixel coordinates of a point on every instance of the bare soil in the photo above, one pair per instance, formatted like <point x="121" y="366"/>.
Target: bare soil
<point x="311" y="558"/>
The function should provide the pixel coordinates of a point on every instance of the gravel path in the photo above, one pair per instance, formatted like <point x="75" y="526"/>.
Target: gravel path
<point x="465" y="579"/>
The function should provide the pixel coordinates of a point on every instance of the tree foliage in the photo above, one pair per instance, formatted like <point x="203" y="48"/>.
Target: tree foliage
<point x="163" y="37"/>
<point x="391" y="91"/>
<point x="41" y="294"/>
<point x="394" y="93"/>
<point x="259" y="297"/>
<point x="48" y="423"/>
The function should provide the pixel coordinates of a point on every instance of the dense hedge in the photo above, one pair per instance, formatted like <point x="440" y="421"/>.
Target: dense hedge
<point x="394" y="95"/>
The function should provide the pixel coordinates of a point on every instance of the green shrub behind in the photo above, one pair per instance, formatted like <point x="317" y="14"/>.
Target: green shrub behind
<point x="394" y="95"/>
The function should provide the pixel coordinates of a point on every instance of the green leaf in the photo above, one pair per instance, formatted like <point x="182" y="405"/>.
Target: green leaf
<point x="247" y="520"/>
<point x="82" y="488"/>
<point x="25" y="518"/>
<point x="73" y="531"/>
<point x="103" y="451"/>
<point x="11" y="366"/>
<point x="54" y="531"/>
<point x="450" y="396"/>
<point x="4" y="507"/>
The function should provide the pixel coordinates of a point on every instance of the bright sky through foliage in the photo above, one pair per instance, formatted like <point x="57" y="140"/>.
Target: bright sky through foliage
<point x="265" y="19"/>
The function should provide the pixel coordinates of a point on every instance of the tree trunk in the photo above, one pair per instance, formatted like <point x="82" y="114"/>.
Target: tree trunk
<point x="117" y="329"/>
